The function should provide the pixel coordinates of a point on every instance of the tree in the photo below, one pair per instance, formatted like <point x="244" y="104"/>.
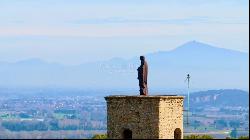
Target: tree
<point x="233" y="133"/>
<point x="196" y="124"/>
<point x="234" y="123"/>
<point x="220" y="124"/>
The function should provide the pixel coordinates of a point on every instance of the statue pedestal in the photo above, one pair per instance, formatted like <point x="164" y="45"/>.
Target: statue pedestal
<point x="145" y="117"/>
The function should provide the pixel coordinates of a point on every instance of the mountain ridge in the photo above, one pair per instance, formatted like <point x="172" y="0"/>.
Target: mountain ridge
<point x="169" y="66"/>
<point x="220" y="98"/>
<point x="185" y="45"/>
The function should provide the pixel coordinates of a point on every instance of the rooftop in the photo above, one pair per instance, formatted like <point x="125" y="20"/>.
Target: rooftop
<point x="148" y="96"/>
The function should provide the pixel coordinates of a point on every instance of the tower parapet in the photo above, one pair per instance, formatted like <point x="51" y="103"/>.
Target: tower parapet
<point x="145" y="117"/>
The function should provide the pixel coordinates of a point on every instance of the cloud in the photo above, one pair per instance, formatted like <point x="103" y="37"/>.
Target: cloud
<point x="135" y="23"/>
<point x="189" y="20"/>
<point x="89" y="31"/>
<point x="129" y="27"/>
<point x="121" y="20"/>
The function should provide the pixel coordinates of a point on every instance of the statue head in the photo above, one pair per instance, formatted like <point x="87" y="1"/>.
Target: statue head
<point x="142" y="58"/>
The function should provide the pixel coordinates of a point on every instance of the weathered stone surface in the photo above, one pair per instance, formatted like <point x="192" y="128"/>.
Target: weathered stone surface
<point x="148" y="117"/>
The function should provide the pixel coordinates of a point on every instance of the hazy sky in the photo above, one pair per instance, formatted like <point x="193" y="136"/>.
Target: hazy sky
<point x="77" y="31"/>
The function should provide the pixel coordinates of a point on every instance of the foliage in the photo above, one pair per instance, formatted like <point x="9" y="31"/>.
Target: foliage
<point x="198" y="137"/>
<point x="25" y="126"/>
<point x="24" y="115"/>
<point x="100" y="136"/>
<point x="243" y="137"/>
<point x="233" y="133"/>
<point x="234" y="123"/>
<point x="65" y="111"/>
<point x="196" y="124"/>
<point x="220" y="124"/>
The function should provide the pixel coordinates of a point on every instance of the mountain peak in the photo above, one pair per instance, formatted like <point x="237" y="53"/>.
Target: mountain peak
<point x="195" y="44"/>
<point x="198" y="47"/>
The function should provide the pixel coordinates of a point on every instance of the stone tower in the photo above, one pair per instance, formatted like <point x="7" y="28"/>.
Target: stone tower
<point x="145" y="117"/>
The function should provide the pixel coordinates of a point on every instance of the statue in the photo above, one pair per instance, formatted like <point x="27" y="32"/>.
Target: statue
<point x="143" y="76"/>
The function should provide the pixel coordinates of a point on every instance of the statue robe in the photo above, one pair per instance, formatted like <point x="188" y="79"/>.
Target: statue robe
<point x="143" y="78"/>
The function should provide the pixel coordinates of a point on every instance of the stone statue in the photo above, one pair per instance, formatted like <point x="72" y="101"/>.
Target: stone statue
<point x="143" y="76"/>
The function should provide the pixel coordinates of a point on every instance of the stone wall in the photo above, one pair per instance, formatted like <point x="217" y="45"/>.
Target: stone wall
<point x="171" y="117"/>
<point x="148" y="117"/>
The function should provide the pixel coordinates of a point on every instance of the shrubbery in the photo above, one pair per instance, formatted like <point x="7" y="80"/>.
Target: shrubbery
<point x="104" y="136"/>
<point x="100" y="136"/>
<point x="198" y="137"/>
<point x="243" y="137"/>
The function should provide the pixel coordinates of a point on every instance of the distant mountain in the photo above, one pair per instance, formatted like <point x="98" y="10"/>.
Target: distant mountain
<point x="210" y="67"/>
<point x="219" y="98"/>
